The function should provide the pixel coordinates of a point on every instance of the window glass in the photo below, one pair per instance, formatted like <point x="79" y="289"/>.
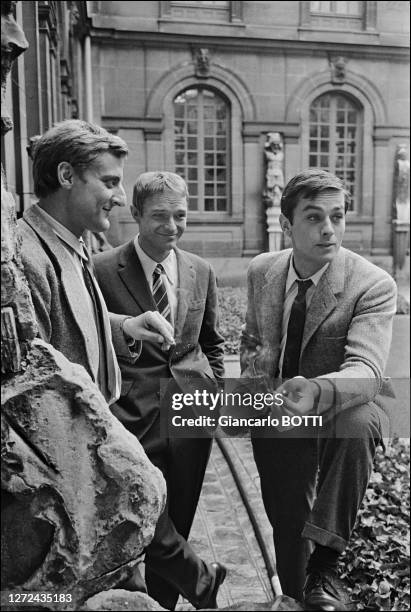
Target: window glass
<point x="338" y="7"/>
<point x="335" y="131"/>
<point x="201" y="147"/>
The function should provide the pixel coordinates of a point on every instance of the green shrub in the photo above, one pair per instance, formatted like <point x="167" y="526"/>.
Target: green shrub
<point x="376" y="562"/>
<point x="233" y="304"/>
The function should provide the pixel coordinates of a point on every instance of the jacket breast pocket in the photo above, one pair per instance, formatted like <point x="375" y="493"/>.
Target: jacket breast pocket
<point x="336" y="338"/>
<point x="196" y="305"/>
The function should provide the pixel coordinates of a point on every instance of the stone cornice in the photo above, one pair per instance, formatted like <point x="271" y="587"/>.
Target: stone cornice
<point x="234" y="43"/>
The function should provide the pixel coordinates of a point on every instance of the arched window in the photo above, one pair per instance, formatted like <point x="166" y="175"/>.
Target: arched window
<point x="201" y="148"/>
<point x="335" y="126"/>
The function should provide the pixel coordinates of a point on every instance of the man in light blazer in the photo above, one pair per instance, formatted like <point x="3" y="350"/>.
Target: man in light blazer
<point x="149" y="272"/>
<point x="78" y="172"/>
<point x="318" y="329"/>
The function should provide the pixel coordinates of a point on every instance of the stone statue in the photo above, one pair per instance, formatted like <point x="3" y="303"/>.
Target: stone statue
<point x="402" y="185"/>
<point x="274" y="176"/>
<point x="274" y="185"/>
<point x="401" y="210"/>
<point x="80" y="499"/>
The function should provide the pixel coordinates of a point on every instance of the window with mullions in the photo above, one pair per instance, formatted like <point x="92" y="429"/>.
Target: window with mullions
<point x="214" y="11"/>
<point x="201" y="145"/>
<point x="335" y="132"/>
<point x="212" y="3"/>
<point x="337" y="8"/>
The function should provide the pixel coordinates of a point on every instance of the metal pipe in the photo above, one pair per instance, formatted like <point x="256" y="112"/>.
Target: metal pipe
<point x="87" y="75"/>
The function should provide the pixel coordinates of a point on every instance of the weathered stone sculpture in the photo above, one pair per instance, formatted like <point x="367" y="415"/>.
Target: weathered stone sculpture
<point x="274" y="185"/>
<point x="80" y="499"/>
<point x="401" y="208"/>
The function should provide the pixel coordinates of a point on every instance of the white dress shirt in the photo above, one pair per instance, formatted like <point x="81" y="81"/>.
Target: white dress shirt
<point x="291" y="290"/>
<point x="170" y="276"/>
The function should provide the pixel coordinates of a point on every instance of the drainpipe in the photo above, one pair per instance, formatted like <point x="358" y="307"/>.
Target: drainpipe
<point x="87" y="78"/>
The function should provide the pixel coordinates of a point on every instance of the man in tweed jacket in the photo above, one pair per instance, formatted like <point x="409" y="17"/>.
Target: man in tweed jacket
<point x="78" y="171"/>
<point x="338" y="373"/>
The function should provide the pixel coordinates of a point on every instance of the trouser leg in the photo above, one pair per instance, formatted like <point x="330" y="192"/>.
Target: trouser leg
<point x="287" y="468"/>
<point x="172" y="566"/>
<point x="345" y="466"/>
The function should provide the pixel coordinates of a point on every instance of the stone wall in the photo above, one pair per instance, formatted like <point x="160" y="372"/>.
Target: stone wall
<point x="80" y="499"/>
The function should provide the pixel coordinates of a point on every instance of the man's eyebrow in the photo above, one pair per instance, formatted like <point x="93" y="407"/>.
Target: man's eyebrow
<point x="157" y="209"/>
<point x="320" y="208"/>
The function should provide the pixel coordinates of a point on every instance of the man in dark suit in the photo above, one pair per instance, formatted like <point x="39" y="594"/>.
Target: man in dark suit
<point x="319" y="321"/>
<point x="146" y="273"/>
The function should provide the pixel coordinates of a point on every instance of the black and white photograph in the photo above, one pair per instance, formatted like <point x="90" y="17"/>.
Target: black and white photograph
<point x="205" y="288"/>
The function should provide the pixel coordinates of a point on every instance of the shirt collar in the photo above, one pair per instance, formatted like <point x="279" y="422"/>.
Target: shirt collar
<point x="76" y="244"/>
<point x="292" y="276"/>
<point x="169" y="263"/>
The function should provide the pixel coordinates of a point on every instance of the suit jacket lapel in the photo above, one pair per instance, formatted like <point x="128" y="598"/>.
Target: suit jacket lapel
<point x="272" y="295"/>
<point x="69" y="275"/>
<point x="324" y="301"/>
<point x="132" y="275"/>
<point x="186" y="282"/>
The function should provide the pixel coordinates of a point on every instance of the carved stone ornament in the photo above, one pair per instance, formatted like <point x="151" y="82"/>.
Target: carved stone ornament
<point x="274" y="185"/>
<point x="401" y="210"/>
<point x="338" y="69"/>
<point x="202" y="62"/>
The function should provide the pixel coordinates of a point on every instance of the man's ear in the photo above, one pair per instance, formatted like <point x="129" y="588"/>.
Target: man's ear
<point x="133" y="212"/>
<point x="285" y="224"/>
<point x="65" y="174"/>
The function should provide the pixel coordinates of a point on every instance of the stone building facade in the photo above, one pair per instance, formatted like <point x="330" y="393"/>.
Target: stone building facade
<point x="195" y="87"/>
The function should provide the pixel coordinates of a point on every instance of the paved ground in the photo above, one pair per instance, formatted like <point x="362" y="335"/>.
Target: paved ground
<point x="222" y="529"/>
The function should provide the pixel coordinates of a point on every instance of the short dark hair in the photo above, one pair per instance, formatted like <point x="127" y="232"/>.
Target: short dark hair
<point x="150" y="183"/>
<point x="308" y="184"/>
<point x="74" y="141"/>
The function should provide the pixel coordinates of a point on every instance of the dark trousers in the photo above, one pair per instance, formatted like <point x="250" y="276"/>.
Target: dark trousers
<point x="172" y="567"/>
<point x="312" y="488"/>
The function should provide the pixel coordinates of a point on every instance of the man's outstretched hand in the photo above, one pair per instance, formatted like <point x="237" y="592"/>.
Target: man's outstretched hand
<point x="152" y="327"/>
<point x="300" y="395"/>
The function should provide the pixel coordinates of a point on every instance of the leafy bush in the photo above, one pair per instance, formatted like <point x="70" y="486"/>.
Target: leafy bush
<point x="376" y="563"/>
<point x="233" y="304"/>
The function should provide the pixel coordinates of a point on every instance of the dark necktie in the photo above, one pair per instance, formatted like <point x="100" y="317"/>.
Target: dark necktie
<point x="160" y="293"/>
<point x="98" y="318"/>
<point x="295" y="331"/>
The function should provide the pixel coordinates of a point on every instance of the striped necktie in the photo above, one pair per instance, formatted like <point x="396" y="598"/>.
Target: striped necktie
<point x="160" y="293"/>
